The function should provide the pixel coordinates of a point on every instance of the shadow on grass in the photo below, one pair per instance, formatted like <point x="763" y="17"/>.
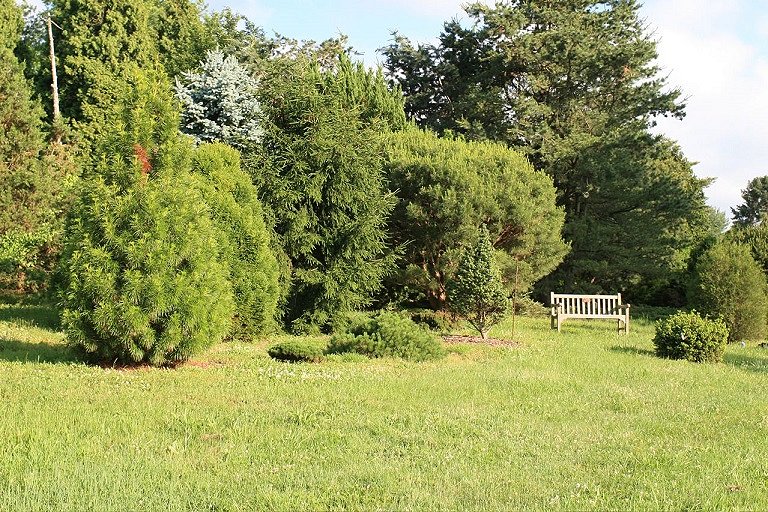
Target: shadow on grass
<point x="635" y="351"/>
<point x="741" y="361"/>
<point x="32" y="333"/>
<point x="748" y="362"/>
<point x="25" y="352"/>
<point x="41" y="315"/>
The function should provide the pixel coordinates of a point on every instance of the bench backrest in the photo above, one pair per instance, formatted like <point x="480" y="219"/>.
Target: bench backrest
<point x="588" y="305"/>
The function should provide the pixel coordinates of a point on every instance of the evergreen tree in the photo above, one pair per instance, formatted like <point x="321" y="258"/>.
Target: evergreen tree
<point x="32" y="175"/>
<point x="755" y="206"/>
<point x="575" y="86"/>
<point x="98" y="38"/>
<point x="755" y="237"/>
<point x="142" y="280"/>
<point x="182" y="35"/>
<point x="11" y="25"/>
<point x="367" y="91"/>
<point x="475" y="291"/>
<point x="219" y="102"/>
<point x="318" y="169"/>
<point x="728" y="283"/>
<point x="446" y="188"/>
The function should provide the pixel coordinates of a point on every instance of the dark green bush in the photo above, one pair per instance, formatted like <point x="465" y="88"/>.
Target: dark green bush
<point x="729" y="284"/>
<point x="437" y="321"/>
<point x="243" y="237"/>
<point x="297" y="350"/>
<point x="689" y="336"/>
<point x="388" y="335"/>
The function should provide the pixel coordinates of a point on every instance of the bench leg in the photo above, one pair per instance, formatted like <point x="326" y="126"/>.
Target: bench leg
<point x="622" y="325"/>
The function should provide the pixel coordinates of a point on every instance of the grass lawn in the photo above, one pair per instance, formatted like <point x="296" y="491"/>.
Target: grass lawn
<point x="586" y="419"/>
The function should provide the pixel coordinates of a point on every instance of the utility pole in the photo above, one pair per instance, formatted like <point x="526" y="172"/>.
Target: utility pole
<point x="55" y="79"/>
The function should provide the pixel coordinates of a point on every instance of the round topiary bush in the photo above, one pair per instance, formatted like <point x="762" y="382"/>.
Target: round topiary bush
<point x="691" y="337"/>
<point x="388" y="335"/>
<point x="297" y="350"/>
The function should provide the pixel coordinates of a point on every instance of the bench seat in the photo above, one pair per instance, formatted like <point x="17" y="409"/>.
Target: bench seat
<point x="606" y="307"/>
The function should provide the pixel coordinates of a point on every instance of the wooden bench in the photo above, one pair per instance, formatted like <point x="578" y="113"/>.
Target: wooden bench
<point x="608" y="307"/>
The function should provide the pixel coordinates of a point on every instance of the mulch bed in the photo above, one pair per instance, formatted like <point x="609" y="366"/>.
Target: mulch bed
<point x="477" y="339"/>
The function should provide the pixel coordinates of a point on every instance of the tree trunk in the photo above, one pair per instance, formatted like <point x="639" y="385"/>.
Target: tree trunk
<point x="54" y="84"/>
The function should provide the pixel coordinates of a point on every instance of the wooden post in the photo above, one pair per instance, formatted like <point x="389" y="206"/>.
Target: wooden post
<point x="514" y="296"/>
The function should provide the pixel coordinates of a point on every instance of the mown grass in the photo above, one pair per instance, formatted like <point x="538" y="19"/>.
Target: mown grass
<point x="586" y="419"/>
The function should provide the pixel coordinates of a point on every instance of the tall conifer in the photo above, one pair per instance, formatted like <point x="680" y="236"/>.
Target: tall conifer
<point x="319" y="171"/>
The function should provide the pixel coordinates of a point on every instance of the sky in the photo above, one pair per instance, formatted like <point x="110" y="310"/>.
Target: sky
<point x="715" y="51"/>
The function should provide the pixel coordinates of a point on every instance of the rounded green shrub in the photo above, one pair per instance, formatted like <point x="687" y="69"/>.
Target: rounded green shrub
<point x="728" y="283"/>
<point x="297" y="350"/>
<point x="243" y="238"/>
<point x="142" y="277"/>
<point x="388" y="335"/>
<point x="691" y="337"/>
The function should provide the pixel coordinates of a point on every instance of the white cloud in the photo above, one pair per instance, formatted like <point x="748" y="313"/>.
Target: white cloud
<point x="709" y="55"/>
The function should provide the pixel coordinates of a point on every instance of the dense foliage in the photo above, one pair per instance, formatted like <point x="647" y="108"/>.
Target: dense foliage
<point x="243" y="237"/>
<point x="219" y="102"/>
<point x="534" y="120"/>
<point x="97" y="37"/>
<point x="143" y="283"/>
<point x="728" y="283"/>
<point x="388" y="335"/>
<point x="33" y="174"/>
<point x="475" y="292"/>
<point x="689" y="336"/>
<point x="754" y="236"/>
<point x="573" y="85"/>
<point x="318" y="170"/>
<point x="445" y="189"/>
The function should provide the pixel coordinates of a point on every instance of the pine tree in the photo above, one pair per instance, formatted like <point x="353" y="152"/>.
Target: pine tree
<point x="98" y="38"/>
<point x="476" y="291"/>
<point x="754" y="209"/>
<point x="142" y="280"/>
<point x="445" y="188"/>
<point x="182" y="35"/>
<point x="576" y="87"/>
<point x="367" y="91"/>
